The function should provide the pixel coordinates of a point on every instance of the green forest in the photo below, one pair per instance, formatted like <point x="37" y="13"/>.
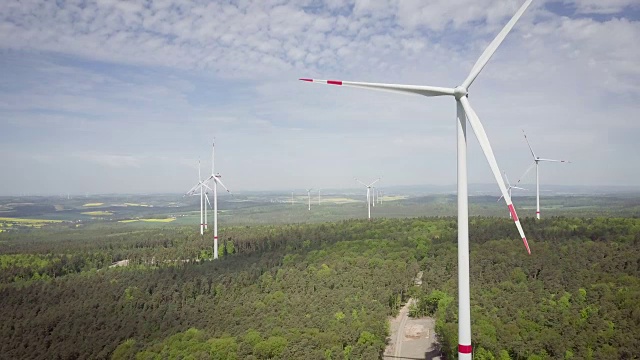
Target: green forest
<point x="319" y="291"/>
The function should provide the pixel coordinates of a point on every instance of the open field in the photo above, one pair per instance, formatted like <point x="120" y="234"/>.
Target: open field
<point x="7" y="223"/>
<point x="97" y="213"/>
<point x="165" y="220"/>
<point x="93" y="204"/>
<point x="270" y="208"/>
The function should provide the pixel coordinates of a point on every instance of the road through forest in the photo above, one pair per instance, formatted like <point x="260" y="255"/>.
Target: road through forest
<point x="412" y="339"/>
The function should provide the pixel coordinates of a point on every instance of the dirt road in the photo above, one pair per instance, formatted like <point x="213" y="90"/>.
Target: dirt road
<point x="412" y="339"/>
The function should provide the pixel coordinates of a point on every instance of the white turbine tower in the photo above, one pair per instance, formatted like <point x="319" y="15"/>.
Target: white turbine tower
<point x="536" y="161"/>
<point x="216" y="177"/>
<point x="464" y="112"/>
<point x="318" y="196"/>
<point x="309" y="197"/>
<point x="200" y="187"/>
<point x="368" y="194"/>
<point x="373" y="196"/>
<point x="509" y="188"/>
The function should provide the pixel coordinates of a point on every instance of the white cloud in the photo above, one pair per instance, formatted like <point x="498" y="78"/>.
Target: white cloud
<point x="603" y="7"/>
<point x="135" y="78"/>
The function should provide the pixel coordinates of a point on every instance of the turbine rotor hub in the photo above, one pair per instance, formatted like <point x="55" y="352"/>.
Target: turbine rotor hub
<point x="459" y="92"/>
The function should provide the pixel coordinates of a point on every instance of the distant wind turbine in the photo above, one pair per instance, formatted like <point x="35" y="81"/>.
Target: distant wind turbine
<point x="309" y="196"/>
<point x="200" y="187"/>
<point x="368" y="194"/>
<point x="318" y="196"/>
<point x="509" y="188"/>
<point x="464" y="113"/>
<point x="216" y="178"/>
<point x="536" y="161"/>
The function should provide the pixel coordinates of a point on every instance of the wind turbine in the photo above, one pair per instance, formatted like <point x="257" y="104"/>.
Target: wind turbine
<point x="509" y="188"/>
<point x="200" y="187"/>
<point x="464" y="112"/>
<point x="536" y="161"/>
<point x="368" y="194"/>
<point x="318" y="196"/>
<point x="216" y="178"/>
<point x="309" y="196"/>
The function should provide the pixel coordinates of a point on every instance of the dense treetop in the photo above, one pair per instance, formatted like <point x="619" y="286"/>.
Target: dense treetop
<point x="320" y="291"/>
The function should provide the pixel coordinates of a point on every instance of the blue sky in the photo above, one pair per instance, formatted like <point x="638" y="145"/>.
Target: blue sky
<point x="125" y="96"/>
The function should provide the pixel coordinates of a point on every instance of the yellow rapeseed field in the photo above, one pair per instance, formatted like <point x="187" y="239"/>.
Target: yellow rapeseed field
<point x="98" y="213"/>
<point x="36" y="223"/>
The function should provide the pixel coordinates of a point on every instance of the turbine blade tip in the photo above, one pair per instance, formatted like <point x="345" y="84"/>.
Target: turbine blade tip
<point x="526" y="244"/>
<point x="306" y="79"/>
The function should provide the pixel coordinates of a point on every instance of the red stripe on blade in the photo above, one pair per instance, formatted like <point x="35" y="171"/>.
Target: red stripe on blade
<point x="464" y="349"/>
<point x="514" y="216"/>
<point x="526" y="244"/>
<point x="334" y="82"/>
<point x="537" y="212"/>
<point x="309" y="80"/>
<point x="215" y="237"/>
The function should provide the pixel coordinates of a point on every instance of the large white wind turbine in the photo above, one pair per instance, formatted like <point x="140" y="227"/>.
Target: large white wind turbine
<point x="368" y="194"/>
<point x="464" y="112"/>
<point x="536" y="161"/>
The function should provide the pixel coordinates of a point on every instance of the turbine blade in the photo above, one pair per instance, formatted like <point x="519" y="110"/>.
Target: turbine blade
<point x="411" y="89"/>
<point x="481" y="135"/>
<point x="361" y="182"/>
<point x="207" y="186"/>
<point x="517" y="187"/>
<point x="378" y="179"/>
<point x="530" y="148"/>
<point x="221" y="184"/>
<point x="491" y="49"/>
<point x="199" y="176"/>
<point x="208" y="202"/>
<point x="507" y="178"/>
<point x="213" y="155"/>
<point x="552" y="160"/>
<point x="190" y="192"/>
<point x="526" y="172"/>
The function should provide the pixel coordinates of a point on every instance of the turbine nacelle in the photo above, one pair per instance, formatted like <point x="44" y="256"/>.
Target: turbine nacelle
<point x="459" y="92"/>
